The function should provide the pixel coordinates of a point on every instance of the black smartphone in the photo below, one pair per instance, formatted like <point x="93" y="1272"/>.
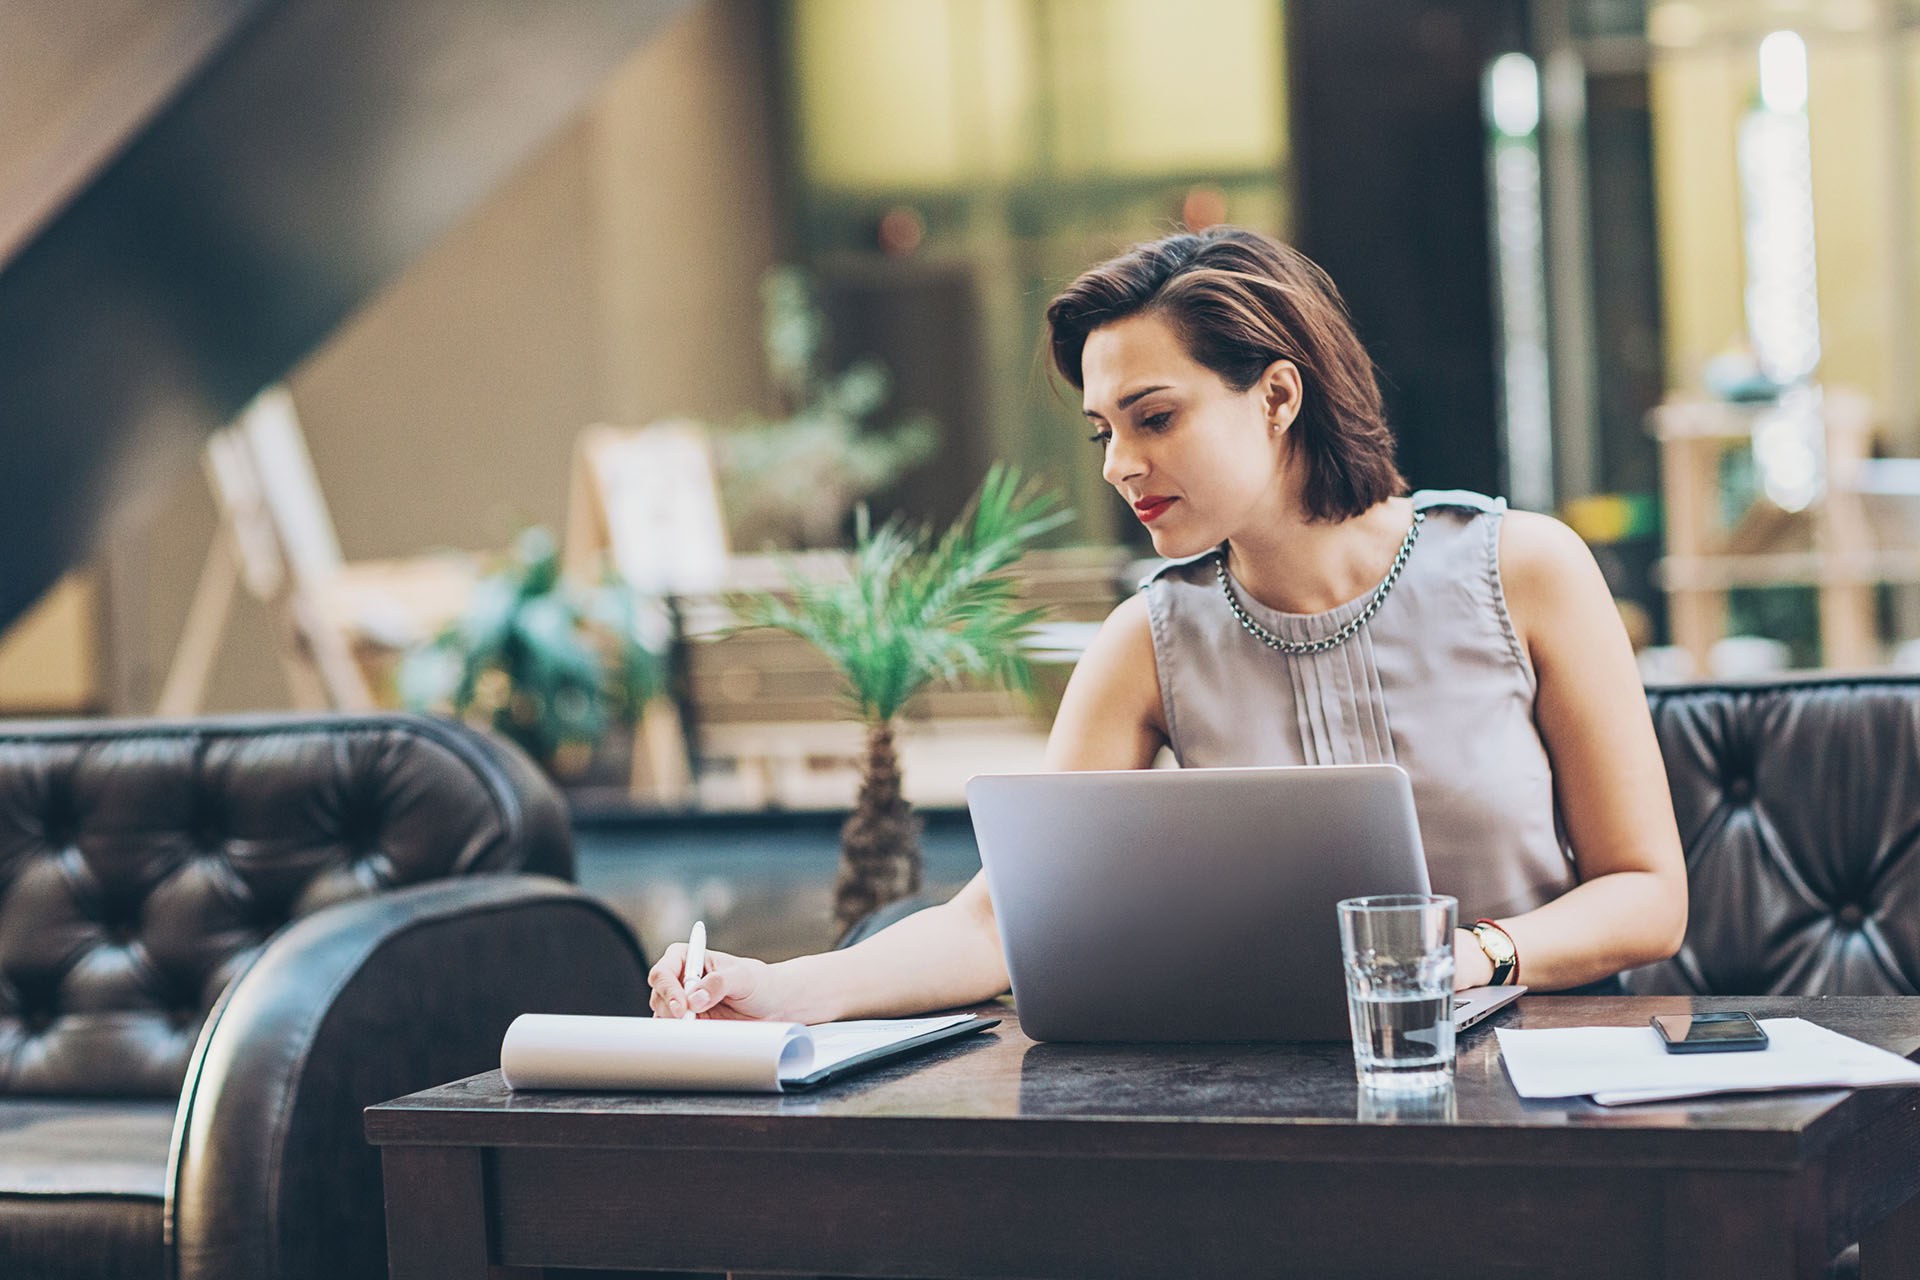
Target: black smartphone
<point x="1709" y="1032"/>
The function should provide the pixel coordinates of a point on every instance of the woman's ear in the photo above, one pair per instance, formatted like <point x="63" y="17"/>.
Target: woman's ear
<point x="1280" y="392"/>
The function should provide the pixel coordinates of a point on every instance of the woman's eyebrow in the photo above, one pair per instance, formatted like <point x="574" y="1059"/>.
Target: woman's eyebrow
<point x="1127" y="400"/>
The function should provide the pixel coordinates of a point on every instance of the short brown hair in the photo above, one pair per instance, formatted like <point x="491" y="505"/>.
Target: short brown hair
<point x="1239" y="301"/>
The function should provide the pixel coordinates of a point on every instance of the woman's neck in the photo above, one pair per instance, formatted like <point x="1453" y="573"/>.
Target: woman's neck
<point x="1296" y="565"/>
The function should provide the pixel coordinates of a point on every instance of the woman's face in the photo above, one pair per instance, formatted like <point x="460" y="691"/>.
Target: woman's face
<point x="1196" y="460"/>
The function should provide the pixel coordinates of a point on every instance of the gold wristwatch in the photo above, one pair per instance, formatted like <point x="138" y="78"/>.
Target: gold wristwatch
<point x="1499" y="948"/>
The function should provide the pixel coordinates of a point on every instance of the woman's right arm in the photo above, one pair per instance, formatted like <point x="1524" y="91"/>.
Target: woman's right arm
<point x="949" y="955"/>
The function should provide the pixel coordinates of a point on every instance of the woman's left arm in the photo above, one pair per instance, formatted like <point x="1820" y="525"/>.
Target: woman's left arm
<point x="1630" y="907"/>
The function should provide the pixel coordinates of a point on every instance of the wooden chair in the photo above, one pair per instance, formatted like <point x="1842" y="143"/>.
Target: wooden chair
<point x="337" y="626"/>
<point x="644" y="503"/>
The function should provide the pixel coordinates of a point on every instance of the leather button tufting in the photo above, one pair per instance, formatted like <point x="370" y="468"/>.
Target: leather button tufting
<point x="1851" y="916"/>
<point x="59" y="820"/>
<point x="1740" y="790"/>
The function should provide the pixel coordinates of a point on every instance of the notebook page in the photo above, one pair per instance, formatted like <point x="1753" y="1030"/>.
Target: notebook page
<point x="835" y="1042"/>
<point x="581" y="1051"/>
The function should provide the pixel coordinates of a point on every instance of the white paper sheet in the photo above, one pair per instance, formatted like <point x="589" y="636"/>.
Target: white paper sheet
<point x="835" y="1042"/>
<point x="712" y="1055"/>
<point x="1629" y="1064"/>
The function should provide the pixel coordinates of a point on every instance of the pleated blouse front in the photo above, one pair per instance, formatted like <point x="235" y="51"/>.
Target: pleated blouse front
<point x="1435" y="682"/>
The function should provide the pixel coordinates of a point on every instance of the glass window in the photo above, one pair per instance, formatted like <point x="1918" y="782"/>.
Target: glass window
<point x="958" y="161"/>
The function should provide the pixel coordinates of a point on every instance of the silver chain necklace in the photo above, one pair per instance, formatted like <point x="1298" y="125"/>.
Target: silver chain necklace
<point x="1339" y="637"/>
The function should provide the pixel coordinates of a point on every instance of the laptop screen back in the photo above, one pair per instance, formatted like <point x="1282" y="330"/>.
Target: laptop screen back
<point x="1188" y="904"/>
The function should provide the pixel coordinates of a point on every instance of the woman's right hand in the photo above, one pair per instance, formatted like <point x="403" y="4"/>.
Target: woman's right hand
<point x="733" y="987"/>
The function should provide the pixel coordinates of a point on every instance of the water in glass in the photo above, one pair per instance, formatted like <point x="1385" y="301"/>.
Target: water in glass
<point x="1402" y="1040"/>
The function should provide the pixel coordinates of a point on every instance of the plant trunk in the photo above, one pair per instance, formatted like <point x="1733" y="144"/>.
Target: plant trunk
<point x="880" y="843"/>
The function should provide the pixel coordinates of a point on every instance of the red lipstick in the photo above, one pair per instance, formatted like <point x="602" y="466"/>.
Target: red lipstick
<point x="1150" y="509"/>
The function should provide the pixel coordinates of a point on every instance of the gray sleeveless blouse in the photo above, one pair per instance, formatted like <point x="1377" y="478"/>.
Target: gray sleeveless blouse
<point x="1436" y="682"/>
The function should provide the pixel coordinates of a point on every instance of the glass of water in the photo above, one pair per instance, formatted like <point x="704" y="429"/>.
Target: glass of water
<point x="1398" y="950"/>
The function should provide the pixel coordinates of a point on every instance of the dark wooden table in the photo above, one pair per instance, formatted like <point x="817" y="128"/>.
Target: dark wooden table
<point x="1003" y="1157"/>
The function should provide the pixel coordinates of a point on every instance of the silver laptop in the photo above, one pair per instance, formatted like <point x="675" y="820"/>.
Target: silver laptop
<point x="1192" y="904"/>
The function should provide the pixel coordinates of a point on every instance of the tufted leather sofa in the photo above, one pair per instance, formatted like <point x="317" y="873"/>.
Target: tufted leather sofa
<point x="220" y="940"/>
<point x="1799" y="810"/>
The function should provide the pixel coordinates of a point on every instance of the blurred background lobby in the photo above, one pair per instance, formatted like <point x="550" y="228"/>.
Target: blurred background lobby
<point x="674" y="285"/>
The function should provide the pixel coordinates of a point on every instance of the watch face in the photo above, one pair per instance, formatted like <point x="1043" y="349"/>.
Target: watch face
<point x="1496" y="944"/>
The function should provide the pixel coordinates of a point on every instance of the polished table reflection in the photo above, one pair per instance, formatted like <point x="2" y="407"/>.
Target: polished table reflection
<point x="998" y="1156"/>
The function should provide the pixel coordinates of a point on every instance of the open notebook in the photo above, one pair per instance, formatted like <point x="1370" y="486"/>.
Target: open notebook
<point x="600" y="1054"/>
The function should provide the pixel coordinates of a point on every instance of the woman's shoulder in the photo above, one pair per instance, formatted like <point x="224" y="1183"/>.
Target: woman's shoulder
<point x="1546" y="572"/>
<point x="1125" y="651"/>
<point x="1536" y="549"/>
<point x="1127" y="633"/>
<point x="1532" y="544"/>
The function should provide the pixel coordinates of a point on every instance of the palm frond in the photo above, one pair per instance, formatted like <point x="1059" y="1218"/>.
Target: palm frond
<point x="916" y="609"/>
<point x="1001" y="522"/>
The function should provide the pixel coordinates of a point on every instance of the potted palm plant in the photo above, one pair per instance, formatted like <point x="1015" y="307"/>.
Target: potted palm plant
<point x="914" y="609"/>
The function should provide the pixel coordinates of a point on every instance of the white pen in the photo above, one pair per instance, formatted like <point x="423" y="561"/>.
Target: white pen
<point x="696" y="965"/>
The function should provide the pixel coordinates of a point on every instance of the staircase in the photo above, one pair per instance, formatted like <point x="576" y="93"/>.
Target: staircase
<point x="194" y="193"/>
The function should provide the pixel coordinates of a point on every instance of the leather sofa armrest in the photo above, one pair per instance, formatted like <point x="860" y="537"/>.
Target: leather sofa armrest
<point x="544" y="829"/>
<point x="357" y="1004"/>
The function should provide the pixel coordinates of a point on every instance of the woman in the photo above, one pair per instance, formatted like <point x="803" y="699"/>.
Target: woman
<point x="1313" y="615"/>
